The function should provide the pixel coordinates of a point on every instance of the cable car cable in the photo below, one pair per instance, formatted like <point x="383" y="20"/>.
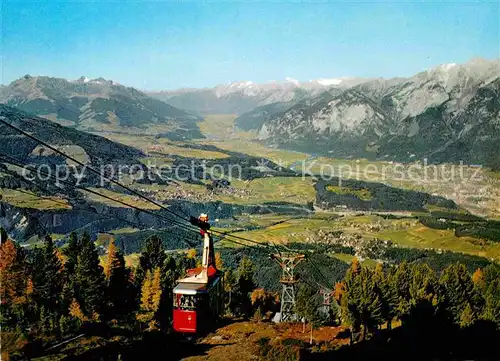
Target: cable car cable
<point x="109" y="179"/>
<point x="16" y="162"/>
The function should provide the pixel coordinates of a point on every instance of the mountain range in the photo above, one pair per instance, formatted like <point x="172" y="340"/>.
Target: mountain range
<point x="95" y="105"/>
<point x="242" y="96"/>
<point x="448" y="113"/>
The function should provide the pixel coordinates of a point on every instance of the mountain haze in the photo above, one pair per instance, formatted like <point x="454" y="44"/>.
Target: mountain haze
<point x="240" y="97"/>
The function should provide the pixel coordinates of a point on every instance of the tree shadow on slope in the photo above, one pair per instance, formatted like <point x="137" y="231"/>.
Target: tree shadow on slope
<point x="425" y="335"/>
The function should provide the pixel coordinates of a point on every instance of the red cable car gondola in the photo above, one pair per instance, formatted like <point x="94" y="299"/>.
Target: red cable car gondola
<point x="199" y="297"/>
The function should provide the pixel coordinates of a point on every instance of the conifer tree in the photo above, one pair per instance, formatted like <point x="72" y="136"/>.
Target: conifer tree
<point x="387" y="294"/>
<point x="307" y="307"/>
<point x="401" y="283"/>
<point x="467" y="317"/>
<point x="51" y="280"/>
<point x="118" y="289"/>
<point x="361" y="300"/>
<point x="457" y="289"/>
<point x="72" y="252"/>
<point x="491" y="294"/>
<point x="3" y="235"/>
<point x="152" y="256"/>
<point x="423" y="284"/>
<point x="245" y="284"/>
<point x="344" y="292"/>
<point x="89" y="278"/>
<point x="229" y="289"/>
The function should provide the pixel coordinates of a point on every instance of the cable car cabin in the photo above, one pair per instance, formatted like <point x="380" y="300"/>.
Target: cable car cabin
<point x="198" y="302"/>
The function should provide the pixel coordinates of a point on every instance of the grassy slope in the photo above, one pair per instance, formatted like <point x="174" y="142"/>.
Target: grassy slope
<point x="27" y="200"/>
<point x="136" y="201"/>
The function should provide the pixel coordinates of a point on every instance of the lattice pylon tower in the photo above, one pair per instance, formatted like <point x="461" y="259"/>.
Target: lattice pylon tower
<point x="288" y="262"/>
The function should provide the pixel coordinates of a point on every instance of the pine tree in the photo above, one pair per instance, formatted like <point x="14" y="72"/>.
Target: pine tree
<point x="245" y="284"/>
<point x="307" y="306"/>
<point x="491" y="294"/>
<point x="467" y="317"/>
<point x="345" y="292"/>
<point x="423" y="284"/>
<point x="89" y="278"/>
<point x="401" y="283"/>
<point x="72" y="252"/>
<point x="152" y="256"/>
<point x="361" y="303"/>
<point x="229" y="289"/>
<point x="118" y="289"/>
<point x="458" y="289"/>
<point x="50" y="284"/>
<point x="3" y="235"/>
<point x="386" y="293"/>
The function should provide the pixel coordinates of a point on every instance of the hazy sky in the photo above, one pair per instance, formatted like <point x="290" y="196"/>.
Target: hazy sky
<point x="172" y="44"/>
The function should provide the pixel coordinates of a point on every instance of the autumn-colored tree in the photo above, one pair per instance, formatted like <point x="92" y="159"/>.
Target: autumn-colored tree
<point x="262" y="301"/>
<point x="12" y="272"/>
<point x="76" y="311"/>
<point x="478" y="277"/>
<point x="150" y="299"/>
<point x="219" y="264"/>
<point x="16" y="287"/>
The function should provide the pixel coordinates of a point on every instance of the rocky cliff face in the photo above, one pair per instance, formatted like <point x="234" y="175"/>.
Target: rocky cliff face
<point x="449" y="113"/>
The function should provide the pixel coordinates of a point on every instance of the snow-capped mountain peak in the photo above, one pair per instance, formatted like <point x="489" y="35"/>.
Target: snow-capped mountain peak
<point x="328" y="82"/>
<point x="292" y="80"/>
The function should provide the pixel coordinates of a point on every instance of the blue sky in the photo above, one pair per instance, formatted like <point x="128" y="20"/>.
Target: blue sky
<point x="172" y="44"/>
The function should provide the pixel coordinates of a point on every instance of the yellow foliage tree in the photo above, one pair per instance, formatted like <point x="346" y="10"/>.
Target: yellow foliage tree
<point x="263" y="301"/>
<point x="191" y="254"/>
<point x="339" y="291"/>
<point x="13" y="281"/>
<point x="111" y="257"/>
<point x="478" y="277"/>
<point x="150" y="299"/>
<point x="76" y="311"/>
<point x="355" y="266"/>
<point x="62" y="258"/>
<point x="219" y="264"/>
